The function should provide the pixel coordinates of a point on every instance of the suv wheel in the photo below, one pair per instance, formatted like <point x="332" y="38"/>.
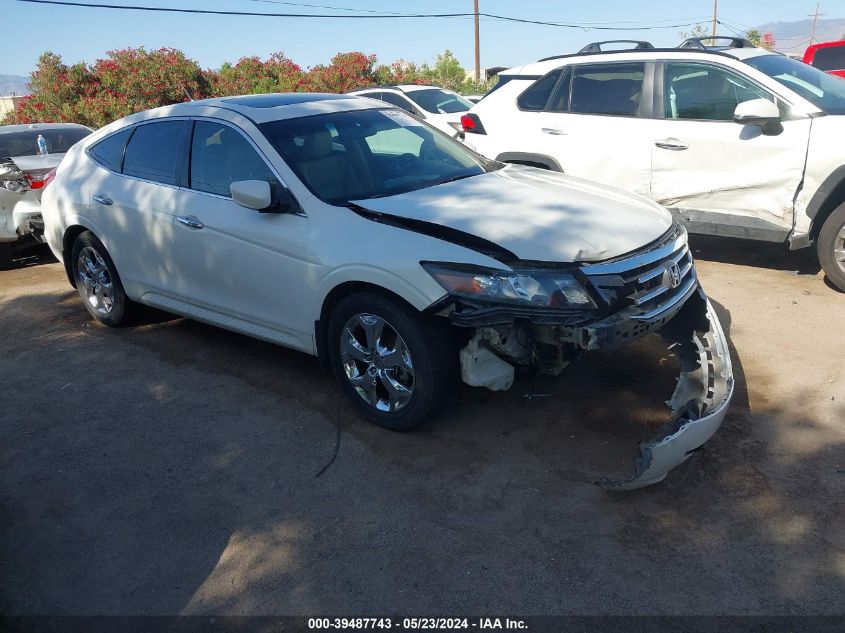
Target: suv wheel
<point x="5" y="255"/>
<point x="397" y="365"/>
<point x="831" y="247"/>
<point x="98" y="282"/>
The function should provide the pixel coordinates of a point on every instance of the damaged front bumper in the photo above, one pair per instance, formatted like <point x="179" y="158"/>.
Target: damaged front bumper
<point x="701" y="398"/>
<point x="659" y="290"/>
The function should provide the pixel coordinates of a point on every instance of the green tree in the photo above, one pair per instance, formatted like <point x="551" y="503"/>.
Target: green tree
<point x="446" y="72"/>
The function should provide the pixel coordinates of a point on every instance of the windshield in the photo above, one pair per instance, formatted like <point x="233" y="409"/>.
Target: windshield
<point x="26" y="143"/>
<point x="438" y="101"/>
<point x="824" y="91"/>
<point x="365" y="154"/>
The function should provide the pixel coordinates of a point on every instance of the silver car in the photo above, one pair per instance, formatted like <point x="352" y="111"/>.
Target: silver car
<point x="28" y="154"/>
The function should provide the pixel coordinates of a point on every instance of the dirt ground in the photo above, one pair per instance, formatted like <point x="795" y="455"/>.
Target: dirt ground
<point x="171" y="468"/>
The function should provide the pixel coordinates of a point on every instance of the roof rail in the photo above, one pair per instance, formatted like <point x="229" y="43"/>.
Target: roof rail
<point x="596" y="47"/>
<point x="698" y="43"/>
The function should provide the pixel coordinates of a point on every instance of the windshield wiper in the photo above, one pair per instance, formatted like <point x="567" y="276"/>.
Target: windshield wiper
<point x="454" y="178"/>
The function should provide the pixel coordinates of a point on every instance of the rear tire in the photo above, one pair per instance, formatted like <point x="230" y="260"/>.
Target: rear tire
<point x="5" y="255"/>
<point x="831" y="247"/>
<point x="98" y="283"/>
<point x="398" y="366"/>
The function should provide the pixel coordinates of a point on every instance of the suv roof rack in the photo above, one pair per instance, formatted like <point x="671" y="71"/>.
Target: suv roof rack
<point x="697" y="43"/>
<point x="596" y="47"/>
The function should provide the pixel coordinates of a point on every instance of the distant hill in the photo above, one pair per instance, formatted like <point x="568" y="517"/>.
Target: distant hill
<point x="13" y="85"/>
<point x="794" y="37"/>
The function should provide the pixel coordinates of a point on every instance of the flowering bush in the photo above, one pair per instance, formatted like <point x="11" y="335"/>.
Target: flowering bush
<point x="134" y="79"/>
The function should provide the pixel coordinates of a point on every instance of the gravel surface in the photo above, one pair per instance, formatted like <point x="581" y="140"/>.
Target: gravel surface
<point x="171" y="468"/>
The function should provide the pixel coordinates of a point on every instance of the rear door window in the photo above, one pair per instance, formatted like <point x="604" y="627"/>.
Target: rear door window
<point x="153" y="150"/>
<point x="609" y="89"/>
<point x="109" y="151"/>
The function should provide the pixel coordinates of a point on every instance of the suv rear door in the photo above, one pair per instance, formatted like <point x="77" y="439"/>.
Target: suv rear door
<point x="717" y="176"/>
<point x="596" y="123"/>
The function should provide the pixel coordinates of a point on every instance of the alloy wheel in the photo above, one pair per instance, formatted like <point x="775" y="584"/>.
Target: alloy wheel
<point x="839" y="248"/>
<point x="96" y="281"/>
<point x="377" y="362"/>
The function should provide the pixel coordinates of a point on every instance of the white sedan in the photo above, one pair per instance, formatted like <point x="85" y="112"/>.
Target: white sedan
<point x="349" y="230"/>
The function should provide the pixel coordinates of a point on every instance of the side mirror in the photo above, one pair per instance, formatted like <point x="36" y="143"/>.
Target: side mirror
<point x="760" y="112"/>
<point x="252" y="194"/>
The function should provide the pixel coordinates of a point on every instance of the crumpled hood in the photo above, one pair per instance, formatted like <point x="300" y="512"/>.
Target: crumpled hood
<point x="536" y="214"/>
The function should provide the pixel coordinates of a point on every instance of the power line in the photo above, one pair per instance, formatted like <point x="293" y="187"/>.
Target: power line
<point x="492" y="16"/>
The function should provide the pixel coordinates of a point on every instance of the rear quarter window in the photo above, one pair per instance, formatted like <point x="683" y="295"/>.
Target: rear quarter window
<point x="109" y="151"/>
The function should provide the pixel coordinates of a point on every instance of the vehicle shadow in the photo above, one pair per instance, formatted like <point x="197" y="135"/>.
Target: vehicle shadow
<point x="32" y="255"/>
<point x="754" y="253"/>
<point x="171" y="467"/>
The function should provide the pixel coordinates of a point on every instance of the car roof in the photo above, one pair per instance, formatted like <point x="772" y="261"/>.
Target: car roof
<point x="263" y="108"/>
<point x="540" y="68"/>
<point x="399" y="88"/>
<point x="34" y="127"/>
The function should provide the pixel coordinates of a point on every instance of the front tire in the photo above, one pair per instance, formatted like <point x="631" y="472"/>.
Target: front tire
<point x="98" y="283"/>
<point x="397" y="365"/>
<point x="831" y="247"/>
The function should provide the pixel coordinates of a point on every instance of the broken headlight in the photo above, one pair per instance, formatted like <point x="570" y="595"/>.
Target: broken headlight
<point x="541" y="288"/>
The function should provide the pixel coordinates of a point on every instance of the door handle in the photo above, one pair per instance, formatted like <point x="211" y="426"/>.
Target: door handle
<point x="101" y="199"/>
<point x="552" y="130"/>
<point x="191" y="221"/>
<point x="671" y="144"/>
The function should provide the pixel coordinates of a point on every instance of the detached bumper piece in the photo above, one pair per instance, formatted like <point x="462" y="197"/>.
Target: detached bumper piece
<point x="701" y="398"/>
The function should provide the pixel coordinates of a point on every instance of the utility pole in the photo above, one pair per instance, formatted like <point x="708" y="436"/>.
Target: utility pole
<point x="815" y="19"/>
<point x="477" y="47"/>
<point x="715" y="16"/>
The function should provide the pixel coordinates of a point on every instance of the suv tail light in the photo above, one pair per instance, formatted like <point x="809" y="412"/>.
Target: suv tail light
<point x="472" y="124"/>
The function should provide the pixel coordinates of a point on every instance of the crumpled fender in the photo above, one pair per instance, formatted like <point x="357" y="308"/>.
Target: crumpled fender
<point x="701" y="398"/>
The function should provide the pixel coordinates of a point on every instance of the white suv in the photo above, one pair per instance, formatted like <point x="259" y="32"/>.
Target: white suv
<point x="347" y="229"/>
<point x="735" y="141"/>
<point x="439" y="107"/>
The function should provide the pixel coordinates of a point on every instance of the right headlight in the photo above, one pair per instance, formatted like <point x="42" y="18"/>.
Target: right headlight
<point x="539" y="288"/>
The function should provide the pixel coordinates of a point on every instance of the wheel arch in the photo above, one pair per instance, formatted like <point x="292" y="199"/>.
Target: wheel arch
<point x="532" y="160"/>
<point x="334" y="296"/>
<point x="827" y="198"/>
<point x="69" y="237"/>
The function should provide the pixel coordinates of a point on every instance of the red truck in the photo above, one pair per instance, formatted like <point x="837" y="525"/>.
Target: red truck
<point x="827" y="56"/>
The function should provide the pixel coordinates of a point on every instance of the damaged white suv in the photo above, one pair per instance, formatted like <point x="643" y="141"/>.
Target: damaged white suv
<point x="352" y="231"/>
<point x="736" y="141"/>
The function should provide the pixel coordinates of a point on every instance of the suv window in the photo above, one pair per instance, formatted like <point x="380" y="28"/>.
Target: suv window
<point x="394" y="99"/>
<point x="535" y="97"/>
<point x="109" y="151"/>
<point x="611" y="89"/>
<point x="831" y="58"/>
<point x="152" y="151"/>
<point x="560" y="98"/>
<point x="220" y="155"/>
<point x="705" y="92"/>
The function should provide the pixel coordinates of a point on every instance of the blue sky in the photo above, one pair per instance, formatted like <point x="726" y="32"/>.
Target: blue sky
<point x="83" y="34"/>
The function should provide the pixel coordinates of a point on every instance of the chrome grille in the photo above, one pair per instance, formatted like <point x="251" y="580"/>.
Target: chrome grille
<point x="651" y="281"/>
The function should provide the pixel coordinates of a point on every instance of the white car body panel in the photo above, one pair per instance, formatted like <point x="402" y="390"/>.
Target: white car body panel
<point x="728" y="174"/>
